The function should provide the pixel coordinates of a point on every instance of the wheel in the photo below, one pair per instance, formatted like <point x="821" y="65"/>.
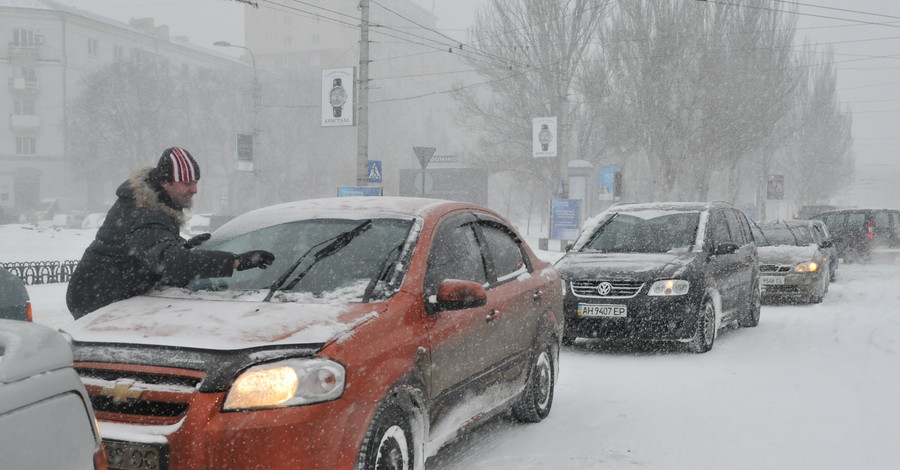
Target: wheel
<point x="751" y="315"/>
<point x="816" y="298"/>
<point x="389" y="442"/>
<point x="534" y="403"/>
<point x="705" y="330"/>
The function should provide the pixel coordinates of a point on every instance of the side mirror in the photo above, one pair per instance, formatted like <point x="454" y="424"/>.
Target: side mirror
<point x="569" y="247"/>
<point x="725" y="249"/>
<point x="826" y="244"/>
<point x="455" y="294"/>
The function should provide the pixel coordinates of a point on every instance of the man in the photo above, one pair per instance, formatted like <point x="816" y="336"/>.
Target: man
<point x="139" y="244"/>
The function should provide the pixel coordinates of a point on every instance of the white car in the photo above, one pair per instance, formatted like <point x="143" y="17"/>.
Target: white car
<point x="46" y="419"/>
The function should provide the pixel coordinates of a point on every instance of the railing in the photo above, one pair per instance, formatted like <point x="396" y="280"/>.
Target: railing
<point x="41" y="272"/>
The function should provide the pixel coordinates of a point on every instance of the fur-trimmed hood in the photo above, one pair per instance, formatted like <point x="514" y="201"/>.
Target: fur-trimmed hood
<point x="137" y="187"/>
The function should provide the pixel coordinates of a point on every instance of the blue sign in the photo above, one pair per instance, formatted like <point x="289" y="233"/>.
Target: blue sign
<point x="374" y="171"/>
<point x="344" y="191"/>
<point x="565" y="219"/>
<point x="606" y="188"/>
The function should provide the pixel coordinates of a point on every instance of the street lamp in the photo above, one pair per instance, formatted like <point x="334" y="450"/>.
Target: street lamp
<point x="256" y="89"/>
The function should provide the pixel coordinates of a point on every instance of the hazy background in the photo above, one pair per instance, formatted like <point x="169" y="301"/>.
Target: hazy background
<point x="865" y="36"/>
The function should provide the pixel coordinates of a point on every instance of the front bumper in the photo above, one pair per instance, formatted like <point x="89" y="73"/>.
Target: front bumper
<point x="794" y="285"/>
<point x="671" y="318"/>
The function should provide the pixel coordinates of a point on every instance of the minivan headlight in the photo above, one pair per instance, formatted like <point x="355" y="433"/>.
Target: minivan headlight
<point x="287" y="383"/>
<point x="670" y="287"/>
<point x="810" y="267"/>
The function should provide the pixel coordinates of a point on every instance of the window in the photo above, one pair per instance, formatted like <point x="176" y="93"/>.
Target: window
<point x="28" y="73"/>
<point x="455" y="254"/>
<point x="735" y="227"/>
<point x="287" y="41"/>
<point x="26" y="145"/>
<point x="882" y="219"/>
<point x="287" y="20"/>
<point x="93" y="46"/>
<point x="719" y="229"/>
<point x="506" y="253"/>
<point x="118" y="53"/>
<point x="23" y="37"/>
<point x="24" y="107"/>
<point x="316" y="39"/>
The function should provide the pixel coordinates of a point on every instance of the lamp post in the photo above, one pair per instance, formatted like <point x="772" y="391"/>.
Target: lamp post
<point x="257" y="95"/>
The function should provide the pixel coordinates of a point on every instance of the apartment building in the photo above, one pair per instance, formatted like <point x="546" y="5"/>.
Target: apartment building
<point x="48" y="49"/>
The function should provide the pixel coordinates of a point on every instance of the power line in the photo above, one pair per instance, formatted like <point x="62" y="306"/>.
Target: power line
<point x="838" y="9"/>
<point x="755" y="7"/>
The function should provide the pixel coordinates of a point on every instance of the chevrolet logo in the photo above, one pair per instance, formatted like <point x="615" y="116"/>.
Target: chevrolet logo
<point x="122" y="391"/>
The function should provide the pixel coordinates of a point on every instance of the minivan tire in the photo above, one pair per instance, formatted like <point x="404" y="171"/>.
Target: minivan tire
<point x="704" y="330"/>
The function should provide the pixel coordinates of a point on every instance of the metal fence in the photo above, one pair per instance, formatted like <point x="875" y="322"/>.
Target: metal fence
<point x="41" y="272"/>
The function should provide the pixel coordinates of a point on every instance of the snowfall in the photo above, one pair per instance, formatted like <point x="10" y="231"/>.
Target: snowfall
<point x="812" y="387"/>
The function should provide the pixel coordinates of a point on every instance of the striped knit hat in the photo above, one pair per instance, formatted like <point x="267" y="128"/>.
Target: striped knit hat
<point x="177" y="165"/>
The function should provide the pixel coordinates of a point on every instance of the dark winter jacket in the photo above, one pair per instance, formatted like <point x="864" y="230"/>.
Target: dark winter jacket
<point x="139" y="246"/>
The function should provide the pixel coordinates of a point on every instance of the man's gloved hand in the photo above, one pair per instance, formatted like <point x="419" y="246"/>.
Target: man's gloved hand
<point x="253" y="259"/>
<point x="196" y="241"/>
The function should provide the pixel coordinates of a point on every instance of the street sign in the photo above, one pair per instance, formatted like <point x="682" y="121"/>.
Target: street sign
<point x="345" y="191"/>
<point x="243" y="152"/>
<point x="374" y="171"/>
<point x="775" y="187"/>
<point x="424" y="155"/>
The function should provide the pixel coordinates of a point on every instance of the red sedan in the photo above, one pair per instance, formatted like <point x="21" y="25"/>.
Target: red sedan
<point x="384" y="328"/>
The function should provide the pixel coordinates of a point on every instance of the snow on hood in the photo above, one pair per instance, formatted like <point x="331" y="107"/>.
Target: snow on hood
<point x="787" y="254"/>
<point x="641" y="266"/>
<point x="218" y="324"/>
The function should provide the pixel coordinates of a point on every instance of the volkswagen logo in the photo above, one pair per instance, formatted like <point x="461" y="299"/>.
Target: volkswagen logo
<point x="604" y="288"/>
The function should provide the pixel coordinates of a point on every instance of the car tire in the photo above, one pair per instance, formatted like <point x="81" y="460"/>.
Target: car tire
<point x="750" y="318"/>
<point x="704" y="330"/>
<point x="389" y="443"/>
<point x="817" y="297"/>
<point x="535" y="401"/>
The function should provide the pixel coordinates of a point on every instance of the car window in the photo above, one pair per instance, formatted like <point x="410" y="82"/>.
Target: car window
<point x="645" y="232"/>
<point x="833" y="220"/>
<point x="455" y="254"/>
<point x="718" y="230"/>
<point x="856" y="221"/>
<point x="784" y="235"/>
<point x="882" y="219"/>
<point x="734" y="226"/>
<point x="506" y="253"/>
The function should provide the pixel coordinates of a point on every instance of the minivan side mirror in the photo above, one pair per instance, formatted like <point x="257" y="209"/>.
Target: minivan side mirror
<point x="569" y="247"/>
<point x="725" y="249"/>
<point x="456" y="294"/>
<point x="826" y="244"/>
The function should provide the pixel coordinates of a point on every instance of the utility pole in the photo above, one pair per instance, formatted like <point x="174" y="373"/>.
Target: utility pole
<point x="362" y="139"/>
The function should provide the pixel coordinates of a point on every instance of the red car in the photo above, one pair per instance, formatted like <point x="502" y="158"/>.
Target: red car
<point x="385" y="328"/>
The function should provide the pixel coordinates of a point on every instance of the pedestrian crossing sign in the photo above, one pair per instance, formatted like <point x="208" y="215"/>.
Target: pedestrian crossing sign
<point x="374" y="171"/>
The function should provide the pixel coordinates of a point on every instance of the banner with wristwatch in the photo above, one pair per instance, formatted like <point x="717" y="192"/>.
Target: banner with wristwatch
<point x="337" y="96"/>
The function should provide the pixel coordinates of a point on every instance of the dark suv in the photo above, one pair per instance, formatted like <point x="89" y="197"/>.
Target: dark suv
<point x="859" y="232"/>
<point x="662" y="272"/>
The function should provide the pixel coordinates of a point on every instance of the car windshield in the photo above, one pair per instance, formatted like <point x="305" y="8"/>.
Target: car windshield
<point x="785" y="235"/>
<point x="645" y="232"/>
<point x="365" y="268"/>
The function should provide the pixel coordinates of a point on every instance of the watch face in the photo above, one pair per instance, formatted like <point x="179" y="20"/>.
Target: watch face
<point x="338" y="96"/>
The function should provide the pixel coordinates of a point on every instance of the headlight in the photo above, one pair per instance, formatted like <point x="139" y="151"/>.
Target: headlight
<point x="287" y="383"/>
<point x="810" y="267"/>
<point x="670" y="287"/>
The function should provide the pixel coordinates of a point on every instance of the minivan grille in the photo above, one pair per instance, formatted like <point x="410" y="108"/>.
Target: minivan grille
<point x="617" y="289"/>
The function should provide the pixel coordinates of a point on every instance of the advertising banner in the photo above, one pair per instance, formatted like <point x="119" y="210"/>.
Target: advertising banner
<point x="337" y="97"/>
<point x="565" y="219"/>
<point x="608" y="184"/>
<point x="543" y="140"/>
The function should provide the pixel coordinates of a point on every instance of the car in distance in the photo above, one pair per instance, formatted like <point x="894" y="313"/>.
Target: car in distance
<point x="665" y="271"/>
<point x="46" y="420"/>
<point x="793" y="265"/>
<point x="384" y="328"/>
<point x="14" y="301"/>
<point x="858" y="233"/>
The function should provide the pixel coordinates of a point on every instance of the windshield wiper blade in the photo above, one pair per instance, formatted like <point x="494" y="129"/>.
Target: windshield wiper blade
<point x="382" y="271"/>
<point x="337" y="243"/>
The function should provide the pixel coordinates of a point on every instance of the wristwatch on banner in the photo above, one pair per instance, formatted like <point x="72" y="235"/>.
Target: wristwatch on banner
<point x="338" y="97"/>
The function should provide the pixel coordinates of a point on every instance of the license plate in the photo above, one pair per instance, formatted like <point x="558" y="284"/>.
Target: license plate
<point x="613" y="311"/>
<point x="135" y="456"/>
<point x="771" y="280"/>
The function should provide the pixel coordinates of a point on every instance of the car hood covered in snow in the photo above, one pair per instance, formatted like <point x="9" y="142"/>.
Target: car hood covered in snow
<point x="636" y="266"/>
<point x="218" y="324"/>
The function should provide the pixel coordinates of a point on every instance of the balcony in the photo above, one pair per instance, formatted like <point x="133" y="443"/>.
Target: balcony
<point x="24" y="122"/>
<point x="23" y="51"/>
<point x="23" y="86"/>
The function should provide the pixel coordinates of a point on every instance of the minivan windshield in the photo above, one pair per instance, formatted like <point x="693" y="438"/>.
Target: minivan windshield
<point x="645" y="232"/>
<point x="369" y="260"/>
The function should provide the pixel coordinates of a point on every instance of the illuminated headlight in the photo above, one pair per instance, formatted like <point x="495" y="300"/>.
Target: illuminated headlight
<point x="670" y="287"/>
<point x="810" y="267"/>
<point x="287" y="383"/>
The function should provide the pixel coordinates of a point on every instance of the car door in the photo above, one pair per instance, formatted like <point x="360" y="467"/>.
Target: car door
<point x="747" y="264"/>
<point x="723" y="271"/>
<point x="465" y="344"/>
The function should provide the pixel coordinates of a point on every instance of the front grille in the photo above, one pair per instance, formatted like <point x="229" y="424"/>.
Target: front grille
<point x="779" y="289"/>
<point x="773" y="268"/>
<point x="139" y="395"/>
<point x="618" y="290"/>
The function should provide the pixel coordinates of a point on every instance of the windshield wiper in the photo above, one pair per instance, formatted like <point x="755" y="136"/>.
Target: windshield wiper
<point x="597" y="232"/>
<point x="337" y="243"/>
<point x="382" y="271"/>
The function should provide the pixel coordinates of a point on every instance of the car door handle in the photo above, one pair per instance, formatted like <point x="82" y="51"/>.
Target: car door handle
<point x="490" y="317"/>
<point x="538" y="295"/>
